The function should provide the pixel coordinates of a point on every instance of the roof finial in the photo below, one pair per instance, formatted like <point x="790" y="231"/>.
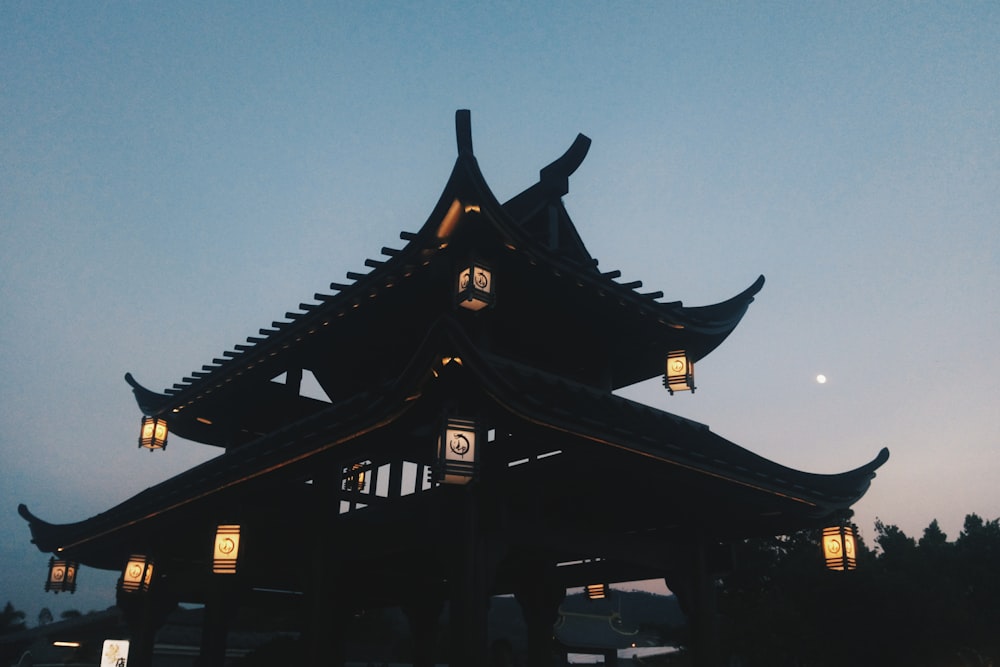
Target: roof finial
<point x="555" y="176"/>
<point x="463" y="131"/>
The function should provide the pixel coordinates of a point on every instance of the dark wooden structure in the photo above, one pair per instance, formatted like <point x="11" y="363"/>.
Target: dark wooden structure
<point x="396" y="353"/>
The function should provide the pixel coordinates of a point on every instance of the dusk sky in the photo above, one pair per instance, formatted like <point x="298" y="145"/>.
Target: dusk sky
<point x="174" y="177"/>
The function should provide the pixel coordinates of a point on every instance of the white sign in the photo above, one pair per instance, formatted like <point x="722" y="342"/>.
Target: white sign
<point x="115" y="653"/>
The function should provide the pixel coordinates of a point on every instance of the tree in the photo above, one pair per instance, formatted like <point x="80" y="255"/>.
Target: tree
<point x="44" y="616"/>
<point x="11" y="620"/>
<point x="926" y="603"/>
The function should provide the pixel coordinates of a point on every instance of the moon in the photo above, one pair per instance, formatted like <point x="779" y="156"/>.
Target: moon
<point x="821" y="378"/>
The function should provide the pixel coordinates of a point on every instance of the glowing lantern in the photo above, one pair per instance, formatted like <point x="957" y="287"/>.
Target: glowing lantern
<point x="457" y="456"/>
<point x="474" y="286"/>
<point x="227" y="549"/>
<point x="680" y="372"/>
<point x="839" y="548"/>
<point x="356" y="477"/>
<point x="137" y="575"/>
<point x="62" y="576"/>
<point x="153" y="434"/>
<point x="596" y="591"/>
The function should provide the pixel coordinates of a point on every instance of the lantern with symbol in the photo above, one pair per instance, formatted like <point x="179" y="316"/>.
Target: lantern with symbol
<point x="153" y="434"/>
<point x="227" y="549"/>
<point x="62" y="576"/>
<point x="839" y="548"/>
<point x="474" y="286"/>
<point x="458" y="454"/>
<point x="680" y="372"/>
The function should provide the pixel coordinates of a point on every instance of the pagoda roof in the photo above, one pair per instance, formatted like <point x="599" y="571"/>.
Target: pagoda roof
<point x="669" y="474"/>
<point x="232" y="400"/>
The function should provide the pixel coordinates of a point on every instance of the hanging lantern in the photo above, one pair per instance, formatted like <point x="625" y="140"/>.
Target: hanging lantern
<point x="839" y="548"/>
<point x="457" y="456"/>
<point x="137" y="575"/>
<point x="596" y="591"/>
<point x="227" y="549"/>
<point x="474" y="286"/>
<point x="356" y="477"/>
<point x="680" y="372"/>
<point x="153" y="434"/>
<point x="62" y="576"/>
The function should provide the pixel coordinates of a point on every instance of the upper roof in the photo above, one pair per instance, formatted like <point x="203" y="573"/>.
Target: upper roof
<point x="556" y="311"/>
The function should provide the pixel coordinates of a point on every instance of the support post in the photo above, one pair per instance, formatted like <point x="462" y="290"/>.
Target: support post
<point x="144" y="614"/>
<point x="539" y="595"/>
<point x="423" y="611"/>
<point x="324" y="631"/>
<point x="469" y="609"/>
<point x="706" y="626"/>
<point x="691" y="576"/>
<point x="219" y="608"/>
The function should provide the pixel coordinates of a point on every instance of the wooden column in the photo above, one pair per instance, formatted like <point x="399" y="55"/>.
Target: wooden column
<point x="539" y="595"/>
<point x="144" y="614"/>
<point x="423" y="611"/>
<point x="219" y="608"/>
<point x="323" y="634"/>
<point x="469" y="595"/>
<point x="706" y="628"/>
<point x="691" y="577"/>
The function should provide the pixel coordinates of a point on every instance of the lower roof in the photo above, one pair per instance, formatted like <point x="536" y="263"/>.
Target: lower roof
<point x="598" y="472"/>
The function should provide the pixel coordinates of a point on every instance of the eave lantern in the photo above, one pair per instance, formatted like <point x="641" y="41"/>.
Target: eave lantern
<point x="596" y="591"/>
<point x="474" y="286"/>
<point x="680" y="372"/>
<point x="839" y="547"/>
<point x="226" y="553"/>
<point x="62" y="576"/>
<point x="458" y="453"/>
<point x="356" y="477"/>
<point x="153" y="434"/>
<point x="137" y="575"/>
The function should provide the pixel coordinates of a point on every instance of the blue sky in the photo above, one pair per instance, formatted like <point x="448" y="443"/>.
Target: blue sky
<point x="174" y="176"/>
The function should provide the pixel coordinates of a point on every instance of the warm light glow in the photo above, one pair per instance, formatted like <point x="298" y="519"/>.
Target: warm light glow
<point x="596" y="591"/>
<point x="356" y="478"/>
<point x="227" y="549"/>
<point x="457" y="455"/>
<point x="472" y="208"/>
<point x="679" y="373"/>
<point x="839" y="548"/>
<point x="450" y="220"/>
<point x="137" y="575"/>
<point x="67" y="644"/>
<point x="153" y="433"/>
<point x="821" y="378"/>
<point x="474" y="290"/>
<point x="62" y="576"/>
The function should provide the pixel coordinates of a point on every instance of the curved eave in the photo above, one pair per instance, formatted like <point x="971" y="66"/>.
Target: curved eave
<point x="292" y="448"/>
<point x="286" y="451"/>
<point x="703" y="328"/>
<point x="465" y="186"/>
<point x="656" y="435"/>
<point x="150" y="402"/>
<point x="660" y="438"/>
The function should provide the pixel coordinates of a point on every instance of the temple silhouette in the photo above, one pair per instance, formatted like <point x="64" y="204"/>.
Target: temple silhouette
<point x="467" y="443"/>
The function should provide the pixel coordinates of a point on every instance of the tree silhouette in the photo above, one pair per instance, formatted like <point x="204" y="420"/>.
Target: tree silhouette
<point x="11" y="620"/>
<point x="930" y="602"/>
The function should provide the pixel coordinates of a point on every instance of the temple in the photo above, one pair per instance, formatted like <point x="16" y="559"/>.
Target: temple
<point x="468" y="444"/>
